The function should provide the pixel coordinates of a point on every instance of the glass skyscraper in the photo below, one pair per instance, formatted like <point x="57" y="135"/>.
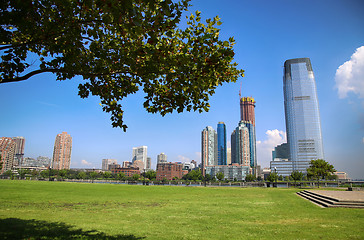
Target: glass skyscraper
<point x="302" y="113"/>
<point x="221" y="143"/>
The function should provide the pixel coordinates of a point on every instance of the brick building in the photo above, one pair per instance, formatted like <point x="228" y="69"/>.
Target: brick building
<point x="129" y="172"/>
<point x="62" y="151"/>
<point x="7" y="153"/>
<point x="169" y="171"/>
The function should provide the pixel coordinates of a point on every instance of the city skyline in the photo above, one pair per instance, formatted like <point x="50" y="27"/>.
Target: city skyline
<point x="266" y="35"/>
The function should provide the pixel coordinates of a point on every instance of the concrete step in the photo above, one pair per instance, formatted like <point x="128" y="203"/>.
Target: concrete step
<point x="333" y="200"/>
<point x="313" y="200"/>
<point x="325" y="201"/>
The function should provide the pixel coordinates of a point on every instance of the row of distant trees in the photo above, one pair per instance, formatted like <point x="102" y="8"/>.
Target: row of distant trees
<point x="75" y="174"/>
<point x="318" y="170"/>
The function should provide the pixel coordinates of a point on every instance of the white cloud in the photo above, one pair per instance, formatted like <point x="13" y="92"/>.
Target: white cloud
<point x="265" y="147"/>
<point x="350" y="75"/>
<point x="84" y="162"/>
<point x="183" y="159"/>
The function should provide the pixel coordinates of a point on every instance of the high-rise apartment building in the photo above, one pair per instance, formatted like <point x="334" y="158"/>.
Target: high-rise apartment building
<point x="302" y="113"/>
<point x="162" y="158"/>
<point x="221" y="144"/>
<point x="247" y="114"/>
<point x="140" y="154"/>
<point x="62" y="151"/>
<point x="19" y="150"/>
<point x="107" y="162"/>
<point x="209" y="148"/>
<point x="240" y="145"/>
<point x="7" y="153"/>
<point x="149" y="163"/>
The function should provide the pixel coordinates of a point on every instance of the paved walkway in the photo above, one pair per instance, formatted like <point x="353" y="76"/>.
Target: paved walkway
<point x="353" y="196"/>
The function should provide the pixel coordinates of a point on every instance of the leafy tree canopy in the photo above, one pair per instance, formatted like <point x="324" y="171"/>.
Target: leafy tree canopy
<point x="250" y="178"/>
<point x="320" y="169"/>
<point x="151" y="175"/>
<point x="220" y="176"/>
<point x="193" y="175"/>
<point x="296" y="175"/>
<point x="272" y="177"/>
<point x="118" y="48"/>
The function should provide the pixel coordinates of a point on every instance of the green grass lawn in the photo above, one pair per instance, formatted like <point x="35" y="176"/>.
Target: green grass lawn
<point x="61" y="210"/>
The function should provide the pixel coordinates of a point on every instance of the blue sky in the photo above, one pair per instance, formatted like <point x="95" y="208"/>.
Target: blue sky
<point x="267" y="33"/>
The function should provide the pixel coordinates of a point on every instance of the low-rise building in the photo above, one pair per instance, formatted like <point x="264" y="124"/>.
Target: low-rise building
<point x="169" y="171"/>
<point x="231" y="172"/>
<point x="129" y="172"/>
<point x="281" y="167"/>
<point x="342" y="175"/>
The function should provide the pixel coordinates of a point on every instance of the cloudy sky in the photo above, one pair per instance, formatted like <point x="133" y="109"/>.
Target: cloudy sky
<point x="267" y="33"/>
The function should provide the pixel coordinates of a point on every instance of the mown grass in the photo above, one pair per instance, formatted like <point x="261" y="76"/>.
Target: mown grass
<point x="50" y="210"/>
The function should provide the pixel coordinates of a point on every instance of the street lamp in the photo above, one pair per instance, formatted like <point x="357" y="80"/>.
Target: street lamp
<point x="276" y="176"/>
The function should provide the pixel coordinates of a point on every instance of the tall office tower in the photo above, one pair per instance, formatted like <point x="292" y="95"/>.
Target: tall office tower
<point x="62" y="151"/>
<point x="221" y="144"/>
<point x="19" y="150"/>
<point x="247" y="114"/>
<point x="209" y="148"/>
<point x="7" y="153"/>
<point x="107" y="162"/>
<point x="302" y="113"/>
<point x="149" y="163"/>
<point x="161" y="158"/>
<point x="140" y="154"/>
<point x="240" y="145"/>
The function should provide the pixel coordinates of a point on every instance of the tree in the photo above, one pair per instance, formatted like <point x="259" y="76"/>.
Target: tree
<point x="121" y="176"/>
<point x="63" y="173"/>
<point x="296" y="176"/>
<point x="119" y="47"/>
<point x="151" y="175"/>
<point x="220" y="176"/>
<point x="250" y="178"/>
<point x="9" y="173"/>
<point x="107" y="175"/>
<point x="136" y="177"/>
<point x="93" y="175"/>
<point x="320" y="169"/>
<point x="44" y="173"/>
<point x="208" y="177"/>
<point x="81" y="175"/>
<point x="272" y="177"/>
<point x="193" y="175"/>
<point x="22" y="173"/>
<point x="34" y="173"/>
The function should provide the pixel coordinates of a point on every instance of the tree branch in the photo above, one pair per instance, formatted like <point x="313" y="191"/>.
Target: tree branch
<point x="28" y="75"/>
<point x="31" y="74"/>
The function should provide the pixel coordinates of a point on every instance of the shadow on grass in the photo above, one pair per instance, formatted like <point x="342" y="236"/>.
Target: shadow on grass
<point x="15" y="228"/>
